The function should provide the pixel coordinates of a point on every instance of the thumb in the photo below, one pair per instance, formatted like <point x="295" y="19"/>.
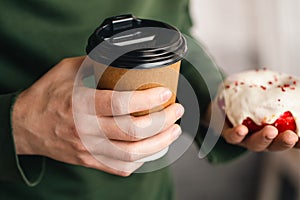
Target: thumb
<point x="81" y="65"/>
<point x="70" y="69"/>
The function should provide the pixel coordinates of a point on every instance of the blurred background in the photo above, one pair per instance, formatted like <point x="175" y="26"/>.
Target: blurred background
<point x="242" y="35"/>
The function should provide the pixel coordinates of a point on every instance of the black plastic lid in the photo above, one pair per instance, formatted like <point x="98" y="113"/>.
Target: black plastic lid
<point x="128" y="42"/>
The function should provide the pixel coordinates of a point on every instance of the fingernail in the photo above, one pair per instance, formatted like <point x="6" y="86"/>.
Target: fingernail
<point x="165" y="95"/>
<point x="290" y="139"/>
<point x="176" y="131"/>
<point x="271" y="136"/>
<point x="179" y="111"/>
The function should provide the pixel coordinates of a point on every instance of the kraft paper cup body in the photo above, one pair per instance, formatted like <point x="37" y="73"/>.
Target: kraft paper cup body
<point x="120" y="79"/>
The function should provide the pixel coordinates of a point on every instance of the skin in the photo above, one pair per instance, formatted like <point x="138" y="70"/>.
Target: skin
<point x="267" y="139"/>
<point x="43" y="123"/>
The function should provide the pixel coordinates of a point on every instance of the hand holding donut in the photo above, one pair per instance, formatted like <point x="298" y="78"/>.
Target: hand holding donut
<point x="267" y="139"/>
<point x="261" y="110"/>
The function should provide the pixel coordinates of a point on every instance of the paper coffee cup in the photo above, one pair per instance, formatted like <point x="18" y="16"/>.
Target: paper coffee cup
<point x="139" y="79"/>
<point x="130" y="54"/>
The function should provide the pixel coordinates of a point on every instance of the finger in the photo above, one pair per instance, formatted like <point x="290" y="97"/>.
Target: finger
<point x="133" y="151"/>
<point x="284" y="141"/>
<point x="129" y="128"/>
<point x="235" y="135"/>
<point x="260" y="140"/>
<point x="119" y="167"/>
<point x="112" y="166"/>
<point x="72" y="64"/>
<point x="122" y="103"/>
<point x="83" y="67"/>
<point x="113" y="103"/>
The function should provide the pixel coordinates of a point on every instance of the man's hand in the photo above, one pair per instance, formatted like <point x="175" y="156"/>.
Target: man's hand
<point x="43" y="122"/>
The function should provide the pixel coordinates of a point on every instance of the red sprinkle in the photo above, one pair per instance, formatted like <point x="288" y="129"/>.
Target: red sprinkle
<point x="263" y="87"/>
<point x="270" y="82"/>
<point x="279" y="100"/>
<point x="227" y="86"/>
<point x="282" y="88"/>
<point x="286" y="85"/>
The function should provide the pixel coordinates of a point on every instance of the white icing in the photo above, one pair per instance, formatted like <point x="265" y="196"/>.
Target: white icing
<point x="262" y="95"/>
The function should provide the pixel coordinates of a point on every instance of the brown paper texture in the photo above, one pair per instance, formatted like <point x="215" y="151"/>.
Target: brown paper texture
<point x="120" y="79"/>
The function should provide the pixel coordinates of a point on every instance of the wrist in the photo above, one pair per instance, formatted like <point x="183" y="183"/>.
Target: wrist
<point x="18" y="122"/>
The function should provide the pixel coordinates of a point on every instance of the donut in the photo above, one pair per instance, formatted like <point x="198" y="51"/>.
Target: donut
<point x="261" y="97"/>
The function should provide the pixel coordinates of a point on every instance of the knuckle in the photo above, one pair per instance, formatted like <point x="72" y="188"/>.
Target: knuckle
<point x="148" y="103"/>
<point x="57" y="132"/>
<point x="124" y="173"/>
<point x="132" y="132"/>
<point x="65" y="132"/>
<point x="129" y="157"/>
<point x="85" y="161"/>
<point x="67" y="103"/>
<point x="256" y="148"/>
<point x="140" y="128"/>
<point x="130" y="153"/>
<point x="60" y="131"/>
<point x="81" y="159"/>
<point x="73" y="131"/>
<point x="79" y="147"/>
<point x="117" y="105"/>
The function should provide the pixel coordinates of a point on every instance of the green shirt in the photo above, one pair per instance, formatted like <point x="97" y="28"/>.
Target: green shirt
<point x="35" y="35"/>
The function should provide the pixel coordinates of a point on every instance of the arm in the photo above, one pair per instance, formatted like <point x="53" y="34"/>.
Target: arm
<point x="44" y="123"/>
<point x="235" y="140"/>
<point x="268" y="139"/>
<point x="222" y="151"/>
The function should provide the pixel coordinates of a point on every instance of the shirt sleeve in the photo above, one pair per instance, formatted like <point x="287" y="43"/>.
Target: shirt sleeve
<point x="201" y="76"/>
<point x="222" y="152"/>
<point x="13" y="167"/>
